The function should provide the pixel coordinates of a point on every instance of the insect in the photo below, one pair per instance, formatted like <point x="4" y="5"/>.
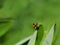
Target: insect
<point x="35" y="26"/>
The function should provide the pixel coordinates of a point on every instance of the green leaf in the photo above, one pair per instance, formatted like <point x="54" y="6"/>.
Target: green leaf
<point x="33" y="39"/>
<point x="23" y="41"/>
<point x="49" y="37"/>
<point x="5" y="26"/>
<point x="40" y="34"/>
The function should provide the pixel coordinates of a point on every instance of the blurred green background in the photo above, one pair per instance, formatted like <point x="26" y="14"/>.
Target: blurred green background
<point x="22" y="14"/>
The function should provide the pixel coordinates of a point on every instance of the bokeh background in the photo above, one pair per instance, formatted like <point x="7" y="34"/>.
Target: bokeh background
<point x="21" y="14"/>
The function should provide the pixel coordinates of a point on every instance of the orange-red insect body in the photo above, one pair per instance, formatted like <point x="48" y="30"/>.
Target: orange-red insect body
<point x="35" y="25"/>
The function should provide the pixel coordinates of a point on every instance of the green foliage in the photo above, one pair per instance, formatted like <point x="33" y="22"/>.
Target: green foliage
<point x="48" y="38"/>
<point x="24" y="13"/>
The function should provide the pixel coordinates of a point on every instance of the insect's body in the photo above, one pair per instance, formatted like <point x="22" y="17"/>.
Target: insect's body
<point x="36" y="26"/>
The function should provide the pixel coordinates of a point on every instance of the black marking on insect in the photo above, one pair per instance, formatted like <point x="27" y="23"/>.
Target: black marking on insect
<point x="35" y="26"/>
